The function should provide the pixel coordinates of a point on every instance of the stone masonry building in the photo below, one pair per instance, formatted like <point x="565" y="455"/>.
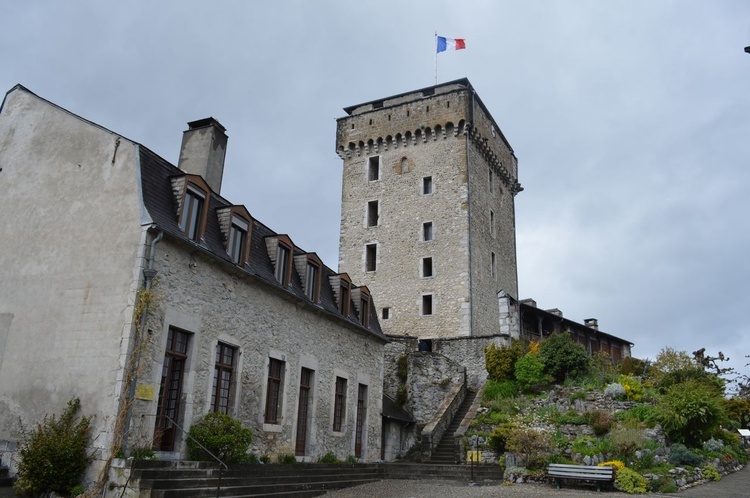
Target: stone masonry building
<point x="132" y="284"/>
<point x="428" y="216"/>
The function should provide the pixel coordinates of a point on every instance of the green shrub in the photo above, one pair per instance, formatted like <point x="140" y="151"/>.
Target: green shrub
<point x="265" y="459"/>
<point x="663" y="485"/>
<point x="499" y="437"/>
<point x="496" y="390"/>
<point x="533" y="447"/>
<point x="78" y="490"/>
<point x="329" y="457"/>
<point x="402" y="367"/>
<point x="680" y="455"/>
<point x="529" y="372"/>
<point x="630" y="481"/>
<point x="632" y="366"/>
<point x="600" y="421"/>
<point x="710" y="473"/>
<point x="633" y="387"/>
<point x="351" y="459"/>
<point x="402" y="395"/>
<point x="571" y="417"/>
<point x="627" y="441"/>
<point x="648" y="415"/>
<point x="590" y="446"/>
<point x="690" y="412"/>
<point x="222" y="435"/>
<point x="578" y="395"/>
<point x="53" y="455"/>
<point x="286" y="458"/>
<point x="143" y="453"/>
<point x="563" y="357"/>
<point x="501" y="361"/>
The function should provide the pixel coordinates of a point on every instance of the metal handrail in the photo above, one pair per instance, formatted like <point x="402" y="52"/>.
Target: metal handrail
<point x="221" y="464"/>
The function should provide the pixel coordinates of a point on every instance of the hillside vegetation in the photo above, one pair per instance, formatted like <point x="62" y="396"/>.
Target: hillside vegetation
<point x="662" y="426"/>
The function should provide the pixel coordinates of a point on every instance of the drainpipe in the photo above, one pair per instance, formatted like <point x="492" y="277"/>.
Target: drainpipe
<point x="148" y="276"/>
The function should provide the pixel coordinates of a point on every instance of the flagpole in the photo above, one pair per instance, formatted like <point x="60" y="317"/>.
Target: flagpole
<point x="434" y="47"/>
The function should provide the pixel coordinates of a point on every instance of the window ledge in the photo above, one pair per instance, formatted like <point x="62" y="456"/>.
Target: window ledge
<point x="272" y="427"/>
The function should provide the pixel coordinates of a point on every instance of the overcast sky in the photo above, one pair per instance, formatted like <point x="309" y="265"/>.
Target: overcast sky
<point x="630" y="121"/>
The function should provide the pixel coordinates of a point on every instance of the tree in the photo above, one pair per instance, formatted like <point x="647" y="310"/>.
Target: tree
<point x="563" y="357"/>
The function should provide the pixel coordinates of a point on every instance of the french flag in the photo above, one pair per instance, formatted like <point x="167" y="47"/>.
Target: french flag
<point x="444" y="44"/>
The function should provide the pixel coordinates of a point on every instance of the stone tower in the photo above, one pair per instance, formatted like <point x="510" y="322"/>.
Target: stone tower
<point x="428" y="215"/>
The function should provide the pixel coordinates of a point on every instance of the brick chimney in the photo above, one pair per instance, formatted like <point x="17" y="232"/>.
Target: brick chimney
<point x="591" y="323"/>
<point x="204" y="146"/>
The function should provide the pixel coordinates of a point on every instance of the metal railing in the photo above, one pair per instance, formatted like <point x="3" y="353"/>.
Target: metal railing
<point x="222" y="465"/>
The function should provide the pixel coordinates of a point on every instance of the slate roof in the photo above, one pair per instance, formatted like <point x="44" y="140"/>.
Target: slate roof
<point x="394" y="411"/>
<point x="159" y="200"/>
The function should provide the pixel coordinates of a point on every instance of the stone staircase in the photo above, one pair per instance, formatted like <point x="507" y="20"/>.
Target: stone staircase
<point x="200" y="479"/>
<point x="445" y="452"/>
<point x="160" y="479"/>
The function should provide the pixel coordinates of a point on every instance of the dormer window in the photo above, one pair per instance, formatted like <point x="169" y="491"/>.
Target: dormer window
<point x="283" y="258"/>
<point x="345" y="289"/>
<point x="341" y="285"/>
<point x="238" y="240"/>
<point x="236" y="226"/>
<point x="192" y="194"/>
<point x="312" y="281"/>
<point x="310" y="269"/>
<point x="364" y="308"/>
<point x="280" y="252"/>
<point x="191" y="219"/>
<point x="361" y="298"/>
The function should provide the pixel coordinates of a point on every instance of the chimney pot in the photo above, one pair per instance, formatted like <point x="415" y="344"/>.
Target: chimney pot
<point x="592" y="323"/>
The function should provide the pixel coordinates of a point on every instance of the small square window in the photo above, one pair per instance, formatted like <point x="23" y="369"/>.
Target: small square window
<point x="371" y="257"/>
<point x="373" y="169"/>
<point x="426" y="267"/>
<point x="427" y="305"/>
<point x="427" y="185"/>
<point x="372" y="214"/>
<point x="386" y="314"/>
<point x="427" y="233"/>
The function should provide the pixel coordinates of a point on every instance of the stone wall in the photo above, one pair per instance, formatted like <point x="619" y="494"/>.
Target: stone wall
<point x="214" y="304"/>
<point x="69" y="270"/>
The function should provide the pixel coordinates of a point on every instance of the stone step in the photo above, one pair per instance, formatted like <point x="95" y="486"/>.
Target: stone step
<point x="288" y="489"/>
<point x="251" y="480"/>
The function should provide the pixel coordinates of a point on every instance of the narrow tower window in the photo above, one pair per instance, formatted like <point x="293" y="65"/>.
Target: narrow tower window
<point x="426" y="267"/>
<point x="371" y="257"/>
<point x="490" y="179"/>
<point x="427" y="185"/>
<point x="372" y="214"/>
<point x="493" y="267"/>
<point x="427" y="233"/>
<point x="373" y="169"/>
<point x="492" y="223"/>
<point x="427" y="304"/>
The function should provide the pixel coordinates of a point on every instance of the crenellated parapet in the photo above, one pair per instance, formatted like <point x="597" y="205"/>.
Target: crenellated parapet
<point x="402" y="139"/>
<point x="485" y="149"/>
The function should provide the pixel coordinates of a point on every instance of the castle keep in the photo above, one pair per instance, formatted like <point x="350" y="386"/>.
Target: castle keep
<point x="428" y="214"/>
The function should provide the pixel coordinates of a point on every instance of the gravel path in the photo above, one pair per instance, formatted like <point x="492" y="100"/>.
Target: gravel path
<point x="736" y="485"/>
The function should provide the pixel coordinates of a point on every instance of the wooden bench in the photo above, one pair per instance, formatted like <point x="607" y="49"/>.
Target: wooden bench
<point x="560" y="471"/>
